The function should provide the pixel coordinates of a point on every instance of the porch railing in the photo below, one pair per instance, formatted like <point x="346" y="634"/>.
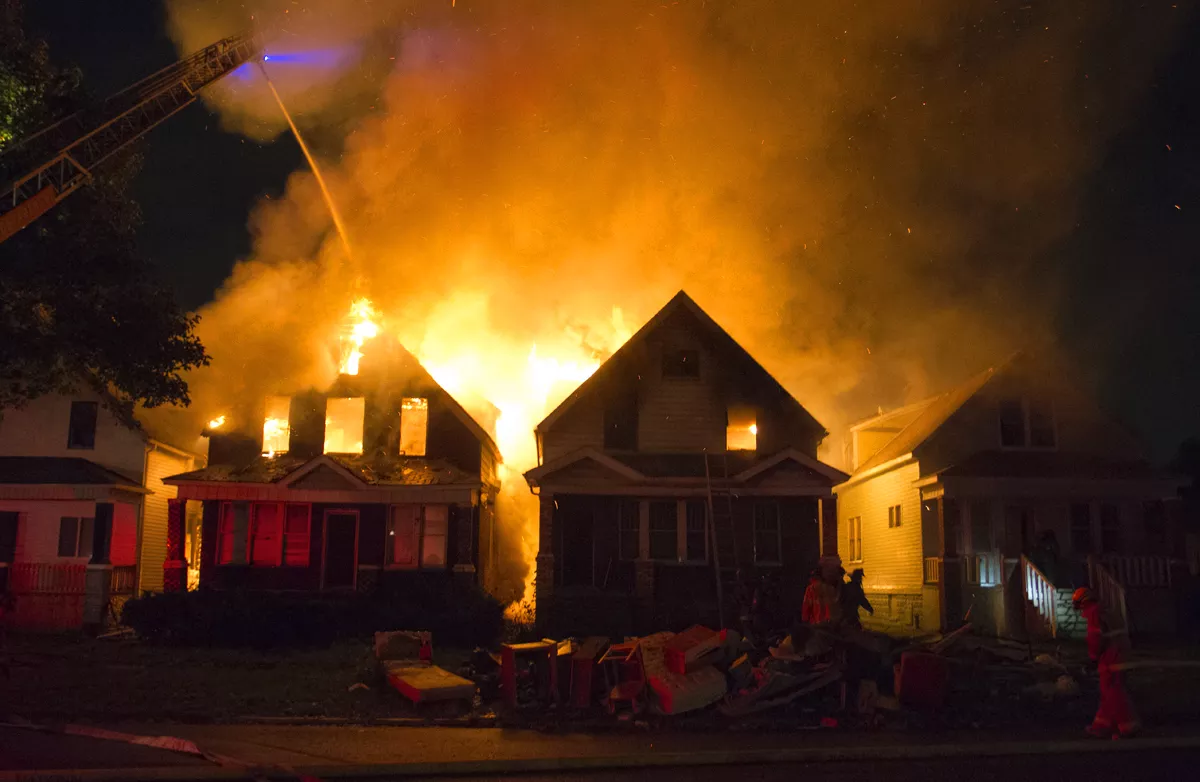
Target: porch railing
<point x="983" y="569"/>
<point x="1040" y="594"/>
<point x="933" y="570"/>
<point x="1137" y="571"/>
<point x="123" y="580"/>
<point x="1109" y="591"/>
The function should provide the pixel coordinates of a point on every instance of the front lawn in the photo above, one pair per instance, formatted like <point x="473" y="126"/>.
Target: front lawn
<point x="67" y="677"/>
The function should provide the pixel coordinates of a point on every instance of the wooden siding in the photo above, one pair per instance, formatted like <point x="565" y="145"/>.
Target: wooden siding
<point x="680" y="413"/>
<point x="892" y="557"/>
<point x="580" y="427"/>
<point x="40" y="429"/>
<point x="1080" y="425"/>
<point x="38" y="523"/>
<point x="153" y="545"/>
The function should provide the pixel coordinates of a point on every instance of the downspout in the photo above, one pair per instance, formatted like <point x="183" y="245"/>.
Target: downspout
<point x="141" y="522"/>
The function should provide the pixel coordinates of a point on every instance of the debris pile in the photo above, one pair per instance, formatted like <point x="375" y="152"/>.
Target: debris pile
<point x="819" y="675"/>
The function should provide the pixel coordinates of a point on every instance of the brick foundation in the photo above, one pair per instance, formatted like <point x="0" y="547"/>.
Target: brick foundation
<point x="897" y="613"/>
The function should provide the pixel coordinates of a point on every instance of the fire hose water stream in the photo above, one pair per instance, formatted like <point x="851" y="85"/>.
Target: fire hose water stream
<point x="333" y="212"/>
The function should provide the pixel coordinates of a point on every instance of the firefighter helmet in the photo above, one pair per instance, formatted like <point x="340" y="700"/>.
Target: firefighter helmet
<point x="1081" y="596"/>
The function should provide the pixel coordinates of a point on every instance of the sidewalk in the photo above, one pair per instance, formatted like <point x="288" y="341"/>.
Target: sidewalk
<point x="378" y="751"/>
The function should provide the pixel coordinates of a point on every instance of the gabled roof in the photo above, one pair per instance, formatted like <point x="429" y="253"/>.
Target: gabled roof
<point x="369" y="470"/>
<point x="937" y="411"/>
<point x="456" y="408"/>
<point x="60" y="470"/>
<point x="583" y="454"/>
<point x="681" y="301"/>
<point x="794" y="454"/>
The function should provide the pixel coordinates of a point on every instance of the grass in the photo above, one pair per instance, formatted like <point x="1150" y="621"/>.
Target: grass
<point x="67" y="677"/>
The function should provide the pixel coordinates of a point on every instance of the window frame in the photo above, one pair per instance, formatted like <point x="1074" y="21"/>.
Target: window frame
<point x="225" y="516"/>
<point x="1026" y="405"/>
<point x="1108" y="546"/>
<point x="674" y="531"/>
<point x="82" y="404"/>
<point x="389" y="548"/>
<point x="1074" y="530"/>
<point x="624" y="531"/>
<point x="895" y="516"/>
<point x="362" y="425"/>
<point x="685" y="530"/>
<point x="778" y="515"/>
<point x="82" y="524"/>
<point x="854" y="538"/>
<point x="424" y="425"/>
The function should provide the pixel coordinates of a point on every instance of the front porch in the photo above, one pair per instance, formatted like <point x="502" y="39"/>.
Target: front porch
<point x="1007" y="555"/>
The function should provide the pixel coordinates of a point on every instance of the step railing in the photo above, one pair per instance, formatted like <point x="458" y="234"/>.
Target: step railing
<point x="1041" y="595"/>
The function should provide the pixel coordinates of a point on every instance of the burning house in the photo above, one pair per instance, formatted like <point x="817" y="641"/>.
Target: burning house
<point x="678" y="464"/>
<point x="381" y="474"/>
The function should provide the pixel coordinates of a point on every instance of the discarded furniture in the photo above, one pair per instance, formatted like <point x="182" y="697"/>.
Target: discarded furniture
<point x="686" y="648"/>
<point x="425" y="683"/>
<point x="583" y="666"/>
<point x="529" y="672"/>
<point x="624" y="677"/>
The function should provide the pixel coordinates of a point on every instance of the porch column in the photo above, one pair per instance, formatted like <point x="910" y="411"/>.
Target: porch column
<point x="827" y="525"/>
<point x="175" y="568"/>
<point x="643" y="570"/>
<point x="543" y="584"/>
<point x="464" y="542"/>
<point x="98" y="580"/>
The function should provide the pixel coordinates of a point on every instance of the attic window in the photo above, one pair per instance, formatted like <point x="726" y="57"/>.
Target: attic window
<point x="681" y="363"/>
<point x="275" y="425"/>
<point x="741" y="429"/>
<point x="1027" y="423"/>
<point x="414" y="423"/>
<point x="344" y="425"/>
<point x="81" y="428"/>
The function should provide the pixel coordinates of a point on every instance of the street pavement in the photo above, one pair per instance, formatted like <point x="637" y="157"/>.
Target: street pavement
<point x="348" y="751"/>
<point x="1155" y="765"/>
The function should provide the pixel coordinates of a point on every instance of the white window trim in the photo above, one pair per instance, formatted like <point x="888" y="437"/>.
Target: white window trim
<point x="898" y="518"/>
<point x="851" y="538"/>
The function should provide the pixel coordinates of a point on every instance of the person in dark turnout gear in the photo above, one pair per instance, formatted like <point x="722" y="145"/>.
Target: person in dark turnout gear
<point x="1115" y="717"/>
<point x="853" y="598"/>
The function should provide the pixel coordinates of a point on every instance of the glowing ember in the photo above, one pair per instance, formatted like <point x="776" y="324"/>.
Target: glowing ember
<point x="361" y="328"/>
<point x="217" y="422"/>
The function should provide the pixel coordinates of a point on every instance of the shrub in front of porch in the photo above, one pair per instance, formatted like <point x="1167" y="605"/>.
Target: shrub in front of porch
<point x="457" y="616"/>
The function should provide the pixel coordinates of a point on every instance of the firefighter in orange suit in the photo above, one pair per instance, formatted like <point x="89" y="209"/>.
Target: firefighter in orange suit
<point x="821" y="597"/>
<point x="1115" y="717"/>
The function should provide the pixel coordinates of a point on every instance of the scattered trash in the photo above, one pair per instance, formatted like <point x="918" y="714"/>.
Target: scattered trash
<point x="529" y="673"/>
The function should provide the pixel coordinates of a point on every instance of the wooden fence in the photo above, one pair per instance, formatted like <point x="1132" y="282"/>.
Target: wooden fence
<point x="49" y="596"/>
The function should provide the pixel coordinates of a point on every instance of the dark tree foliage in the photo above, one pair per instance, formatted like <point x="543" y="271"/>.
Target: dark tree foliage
<point x="77" y="301"/>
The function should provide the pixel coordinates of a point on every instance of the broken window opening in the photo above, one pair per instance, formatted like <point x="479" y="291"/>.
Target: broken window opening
<point x="681" y="363"/>
<point x="344" y="424"/>
<point x="414" y="426"/>
<point x="741" y="429"/>
<point x="275" y="425"/>
<point x="664" y="536"/>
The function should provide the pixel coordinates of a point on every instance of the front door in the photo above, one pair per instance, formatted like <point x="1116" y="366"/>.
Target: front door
<point x="341" y="549"/>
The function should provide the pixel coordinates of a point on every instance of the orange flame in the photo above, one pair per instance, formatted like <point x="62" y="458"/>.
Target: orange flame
<point x="361" y="328"/>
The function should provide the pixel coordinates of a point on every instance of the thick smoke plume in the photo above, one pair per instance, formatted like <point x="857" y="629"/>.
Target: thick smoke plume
<point x="865" y="195"/>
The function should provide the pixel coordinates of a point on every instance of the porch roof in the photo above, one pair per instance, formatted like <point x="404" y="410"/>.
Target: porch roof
<point x="60" y="470"/>
<point x="1052" y="464"/>
<point x="371" y="470"/>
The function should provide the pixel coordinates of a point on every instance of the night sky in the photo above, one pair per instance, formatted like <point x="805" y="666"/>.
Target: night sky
<point x="1133" y="315"/>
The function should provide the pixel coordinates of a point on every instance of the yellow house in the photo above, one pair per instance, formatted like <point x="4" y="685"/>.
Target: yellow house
<point x="991" y="502"/>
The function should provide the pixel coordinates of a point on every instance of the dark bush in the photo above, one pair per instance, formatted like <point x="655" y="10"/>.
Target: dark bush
<point x="457" y="615"/>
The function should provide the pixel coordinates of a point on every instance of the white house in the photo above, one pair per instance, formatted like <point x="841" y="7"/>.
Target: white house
<point x="63" y="460"/>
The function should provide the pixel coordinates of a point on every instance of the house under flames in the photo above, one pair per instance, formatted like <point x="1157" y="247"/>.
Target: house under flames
<point x="382" y="474"/>
<point x="679" y="460"/>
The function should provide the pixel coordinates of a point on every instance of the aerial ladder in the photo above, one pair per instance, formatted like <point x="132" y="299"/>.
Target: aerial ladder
<point x="58" y="160"/>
